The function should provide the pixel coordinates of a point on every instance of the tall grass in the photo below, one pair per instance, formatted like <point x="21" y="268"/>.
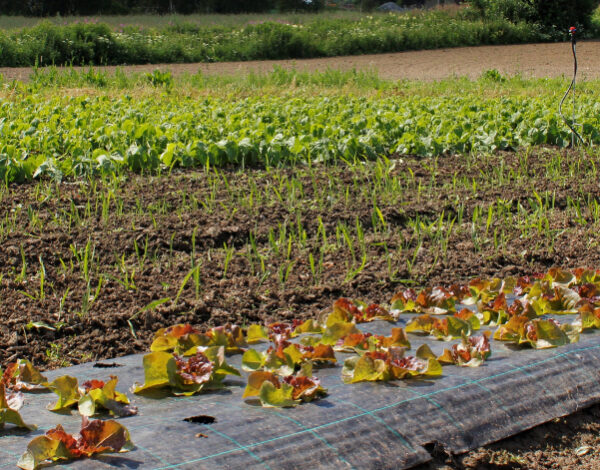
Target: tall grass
<point x="278" y="80"/>
<point x="323" y="36"/>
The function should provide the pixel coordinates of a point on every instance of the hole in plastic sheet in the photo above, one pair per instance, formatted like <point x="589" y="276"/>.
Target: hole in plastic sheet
<point x="437" y="450"/>
<point x="107" y="365"/>
<point x="201" y="419"/>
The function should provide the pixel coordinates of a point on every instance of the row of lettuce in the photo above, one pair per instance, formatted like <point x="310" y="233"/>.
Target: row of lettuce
<point x="186" y="361"/>
<point x="61" y="136"/>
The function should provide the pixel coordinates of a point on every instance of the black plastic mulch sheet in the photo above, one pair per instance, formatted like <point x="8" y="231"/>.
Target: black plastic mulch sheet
<point x="365" y="425"/>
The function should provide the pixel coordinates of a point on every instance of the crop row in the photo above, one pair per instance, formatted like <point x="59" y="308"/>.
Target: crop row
<point x="79" y="136"/>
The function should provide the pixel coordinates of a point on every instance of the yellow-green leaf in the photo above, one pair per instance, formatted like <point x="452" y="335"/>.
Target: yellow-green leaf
<point x="156" y="373"/>
<point x="271" y="396"/>
<point x="337" y="331"/>
<point x="256" y="334"/>
<point x="67" y="389"/>
<point x="252" y="360"/>
<point x="255" y="381"/>
<point x="10" y="415"/>
<point x="309" y="326"/>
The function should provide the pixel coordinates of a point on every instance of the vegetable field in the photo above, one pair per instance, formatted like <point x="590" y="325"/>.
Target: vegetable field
<point x="90" y="136"/>
<point x="130" y="205"/>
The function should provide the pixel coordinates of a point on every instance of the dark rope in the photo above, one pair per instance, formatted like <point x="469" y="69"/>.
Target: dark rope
<point x="573" y="45"/>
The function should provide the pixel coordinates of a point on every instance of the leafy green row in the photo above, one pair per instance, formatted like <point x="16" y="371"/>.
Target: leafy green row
<point x="77" y="136"/>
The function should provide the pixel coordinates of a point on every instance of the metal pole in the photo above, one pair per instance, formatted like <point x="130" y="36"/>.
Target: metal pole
<point x="574" y="101"/>
<point x="571" y="125"/>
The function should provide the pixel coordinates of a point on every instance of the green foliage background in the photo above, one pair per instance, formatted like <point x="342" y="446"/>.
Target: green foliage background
<point x="94" y="7"/>
<point x="556" y="15"/>
<point x="98" y="44"/>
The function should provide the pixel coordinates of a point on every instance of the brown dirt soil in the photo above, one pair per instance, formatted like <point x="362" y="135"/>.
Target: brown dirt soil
<point x="252" y="233"/>
<point x="529" y="60"/>
<point x="565" y="443"/>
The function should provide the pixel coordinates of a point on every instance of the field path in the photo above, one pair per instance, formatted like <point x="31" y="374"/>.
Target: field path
<point x="530" y="60"/>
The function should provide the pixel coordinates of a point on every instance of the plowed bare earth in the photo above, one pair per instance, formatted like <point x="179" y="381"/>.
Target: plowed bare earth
<point x="529" y="60"/>
<point x="142" y="246"/>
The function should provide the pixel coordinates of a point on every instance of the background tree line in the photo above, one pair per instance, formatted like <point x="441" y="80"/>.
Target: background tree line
<point x="551" y="15"/>
<point x="106" y="7"/>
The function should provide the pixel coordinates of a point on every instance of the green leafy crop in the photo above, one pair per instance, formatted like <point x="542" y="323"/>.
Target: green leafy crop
<point x="57" y="136"/>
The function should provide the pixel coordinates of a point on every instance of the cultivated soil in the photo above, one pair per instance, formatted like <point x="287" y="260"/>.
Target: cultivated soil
<point x="145" y="232"/>
<point x="529" y="60"/>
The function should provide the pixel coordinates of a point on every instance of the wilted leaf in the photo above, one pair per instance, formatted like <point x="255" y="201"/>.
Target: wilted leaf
<point x="10" y="404"/>
<point x="309" y="326"/>
<point x="320" y="353"/>
<point x="255" y="381"/>
<point x="252" y="360"/>
<point x="156" y="374"/>
<point x="587" y="276"/>
<point x="256" y="334"/>
<point x="305" y="388"/>
<point x="280" y="361"/>
<point x="95" y="437"/>
<point x="371" y="367"/>
<point x="374" y="312"/>
<point x="272" y="396"/>
<point x="67" y="389"/>
<point x="589" y="318"/>
<point x="21" y="375"/>
<point x="343" y="312"/>
<point x="451" y="328"/>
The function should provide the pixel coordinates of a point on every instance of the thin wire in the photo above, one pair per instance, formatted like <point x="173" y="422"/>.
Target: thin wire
<point x="571" y="87"/>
